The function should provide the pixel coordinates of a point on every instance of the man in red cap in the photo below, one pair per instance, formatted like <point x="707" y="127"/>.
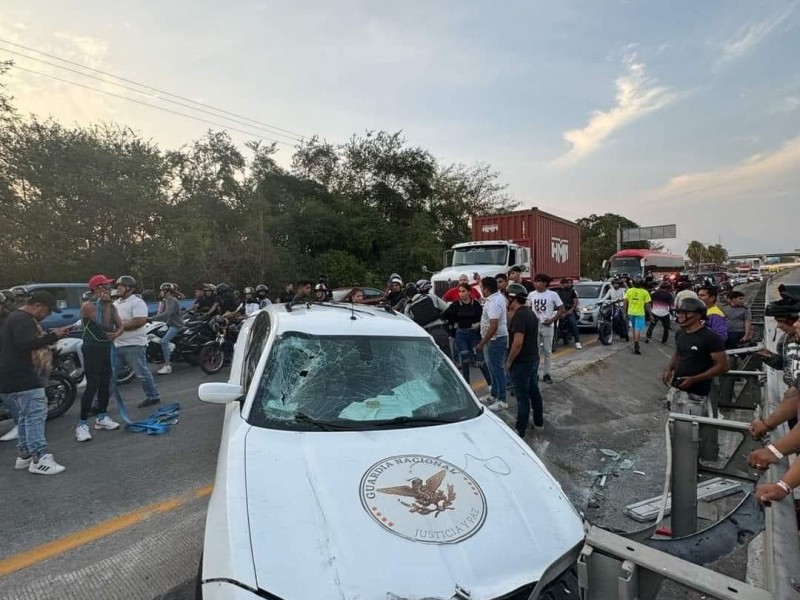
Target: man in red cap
<point x="101" y="326"/>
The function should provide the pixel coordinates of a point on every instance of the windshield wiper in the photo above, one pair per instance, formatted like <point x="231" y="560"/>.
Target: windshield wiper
<point x="421" y="421"/>
<point x="301" y="417"/>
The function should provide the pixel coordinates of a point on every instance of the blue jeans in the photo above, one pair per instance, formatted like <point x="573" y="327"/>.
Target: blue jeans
<point x="572" y="324"/>
<point x="525" y="376"/>
<point x="11" y="407"/>
<point x="137" y="360"/>
<point x="171" y="333"/>
<point x="494" y="354"/>
<point x="466" y="340"/>
<point x="31" y="407"/>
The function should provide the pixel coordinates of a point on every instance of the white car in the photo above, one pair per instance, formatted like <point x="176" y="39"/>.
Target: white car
<point x="356" y="463"/>
<point x="590" y="295"/>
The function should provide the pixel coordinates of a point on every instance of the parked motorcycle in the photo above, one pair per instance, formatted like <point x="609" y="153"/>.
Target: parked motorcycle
<point x="68" y="358"/>
<point x="610" y="320"/>
<point x="218" y="351"/>
<point x="60" y="392"/>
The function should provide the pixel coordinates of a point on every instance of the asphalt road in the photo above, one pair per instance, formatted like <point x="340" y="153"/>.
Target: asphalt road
<point x="126" y="518"/>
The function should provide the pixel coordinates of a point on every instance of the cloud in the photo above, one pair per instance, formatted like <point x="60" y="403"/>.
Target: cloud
<point x="637" y="95"/>
<point x="789" y="103"/>
<point x="757" y="173"/>
<point x="750" y="36"/>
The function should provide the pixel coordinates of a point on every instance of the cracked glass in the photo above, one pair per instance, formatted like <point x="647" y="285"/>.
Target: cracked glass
<point x="357" y="382"/>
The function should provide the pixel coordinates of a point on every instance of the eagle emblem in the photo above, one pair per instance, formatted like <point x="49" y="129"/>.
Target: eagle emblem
<point x="428" y="498"/>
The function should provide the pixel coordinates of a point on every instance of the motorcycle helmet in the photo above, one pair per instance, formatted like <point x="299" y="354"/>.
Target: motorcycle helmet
<point x="210" y="287"/>
<point x="6" y="297"/>
<point x="261" y="288"/>
<point x="87" y="296"/>
<point x="20" y="293"/>
<point x="694" y="305"/>
<point x="394" y="277"/>
<point x="126" y="280"/>
<point x="424" y="286"/>
<point x="788" y="307"/>
<point x="320" y="287"/>
<point x="223" y="288"/>
<point x="517" y="291"/>
<point x="167" y="287"/>
<point x="249" y="290"/>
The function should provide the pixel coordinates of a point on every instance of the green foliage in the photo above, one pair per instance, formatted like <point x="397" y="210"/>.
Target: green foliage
<point x="80" y="200"/>
<point x="599" y="241"/>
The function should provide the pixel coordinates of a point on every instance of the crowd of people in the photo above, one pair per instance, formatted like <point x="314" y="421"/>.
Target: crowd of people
<point x="503" y="325"/>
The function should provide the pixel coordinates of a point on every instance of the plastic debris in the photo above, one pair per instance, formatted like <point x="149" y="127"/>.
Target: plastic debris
<point x="626" y="465"/>
<point x="610" y="453"/>
<point x="639" y="472"/>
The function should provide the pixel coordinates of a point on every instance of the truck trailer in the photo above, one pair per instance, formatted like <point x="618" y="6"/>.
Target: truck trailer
<point x="535" y="240"/>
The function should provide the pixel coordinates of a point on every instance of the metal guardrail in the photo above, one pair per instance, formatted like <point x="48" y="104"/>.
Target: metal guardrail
<point x="612" y="566"/>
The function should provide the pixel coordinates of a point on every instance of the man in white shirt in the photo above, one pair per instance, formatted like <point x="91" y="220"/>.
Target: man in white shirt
<point x="131" y="346"/>
<point x="548" y="308"/>
<point x="615" y="293"/>
<point x="494" y="340"/>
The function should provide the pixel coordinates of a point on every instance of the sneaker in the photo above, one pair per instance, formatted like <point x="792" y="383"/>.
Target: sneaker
<point x="165" y="370"/>
<point x="636" y="350"/>
<point x="46" y="465"/>
<point x="23" y="463"/>
<point x="12" y="434"/>
<point x="547" y="378"/>
<point x="498" y="405"/>
<point x="148" y="402"/>
<point x="106" y="423"/>
<point x="488" y="400"/>
<point x="538" y="428"/>
<point x="578" y="346"/>
<point x="82" y="433"/>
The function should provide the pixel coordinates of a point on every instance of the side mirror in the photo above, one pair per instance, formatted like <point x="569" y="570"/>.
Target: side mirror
<point x="219" y="393"/>
<point x="605" y="264"/>
<point x="426" y="270"/>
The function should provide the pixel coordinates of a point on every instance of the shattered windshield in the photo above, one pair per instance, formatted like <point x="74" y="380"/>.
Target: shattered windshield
<point x="358" y="382"/>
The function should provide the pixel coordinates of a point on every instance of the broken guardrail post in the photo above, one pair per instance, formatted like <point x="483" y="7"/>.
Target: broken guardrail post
<point x="685" y="440"/>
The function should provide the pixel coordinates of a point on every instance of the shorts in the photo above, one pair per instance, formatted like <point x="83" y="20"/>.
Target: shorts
<point x="637" y="322"/>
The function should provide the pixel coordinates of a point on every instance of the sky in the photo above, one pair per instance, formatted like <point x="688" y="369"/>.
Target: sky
<point x="679" y="112"/>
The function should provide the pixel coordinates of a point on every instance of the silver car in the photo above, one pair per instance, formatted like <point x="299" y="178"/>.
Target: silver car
<point x="590" y="294"/>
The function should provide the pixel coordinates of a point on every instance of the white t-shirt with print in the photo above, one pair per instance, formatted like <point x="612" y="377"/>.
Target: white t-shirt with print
<point x="544" y="304"/>
<point x="131" y="308"/>
<point x="495" y="308"/>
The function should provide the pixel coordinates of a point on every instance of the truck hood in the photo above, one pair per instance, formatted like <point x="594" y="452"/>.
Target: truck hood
<point x="452" y="273"/>
<point x="402" y="513"/>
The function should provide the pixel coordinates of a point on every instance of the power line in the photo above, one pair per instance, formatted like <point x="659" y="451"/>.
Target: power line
<point x="132" y="89"/>
<point x="169" y="110"/>
<point x="289" y="131"/>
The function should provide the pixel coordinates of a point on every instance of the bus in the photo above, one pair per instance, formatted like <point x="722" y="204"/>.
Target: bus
<point x="639" y="262"/>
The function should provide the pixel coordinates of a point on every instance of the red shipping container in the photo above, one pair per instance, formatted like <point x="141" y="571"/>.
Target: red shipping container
<point x="554" y="243"/>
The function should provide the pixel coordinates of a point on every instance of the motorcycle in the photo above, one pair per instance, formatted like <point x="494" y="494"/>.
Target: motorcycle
<point x="561" y="332"/>
<point x="610" y="320"/>
<point x="68" y="358"/>
<point x="60" y="392"/>
<point x="218" y="351"/>
<point x="186" y="346"/>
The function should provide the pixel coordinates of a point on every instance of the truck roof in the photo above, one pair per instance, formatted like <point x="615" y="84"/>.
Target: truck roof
<point x="483" y="243"/>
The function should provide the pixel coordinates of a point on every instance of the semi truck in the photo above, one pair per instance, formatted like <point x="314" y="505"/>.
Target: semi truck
<point x="536" y="241"/>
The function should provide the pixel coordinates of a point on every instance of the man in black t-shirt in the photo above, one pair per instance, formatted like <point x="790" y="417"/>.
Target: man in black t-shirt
<point x="699" y="357"/>
<point x="25" y="363"/>
<point x="523" y="358"/>
<point x="515" y="276"/>
<point x="569" y="297"/>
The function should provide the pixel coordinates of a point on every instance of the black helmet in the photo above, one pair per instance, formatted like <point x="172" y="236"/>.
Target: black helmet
<point x="261" y="288"/>
<point x="694" y="305"/>
<point x="167" y="287"/>
<point x="6" y="297"/>
<point x="126" y="280"/>
<point x="518" y="291"/>
<point x="222" y="288"/>
<point x="411" y="290"/>
<point x="788" y="307"/>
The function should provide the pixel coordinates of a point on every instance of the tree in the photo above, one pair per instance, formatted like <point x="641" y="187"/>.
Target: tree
<point x="599" y="240"/>
<point x="696" y="252"/>
<point x="716" y="253"/>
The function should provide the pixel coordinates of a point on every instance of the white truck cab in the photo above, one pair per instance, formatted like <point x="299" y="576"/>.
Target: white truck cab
<point x="487" y="258"/>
